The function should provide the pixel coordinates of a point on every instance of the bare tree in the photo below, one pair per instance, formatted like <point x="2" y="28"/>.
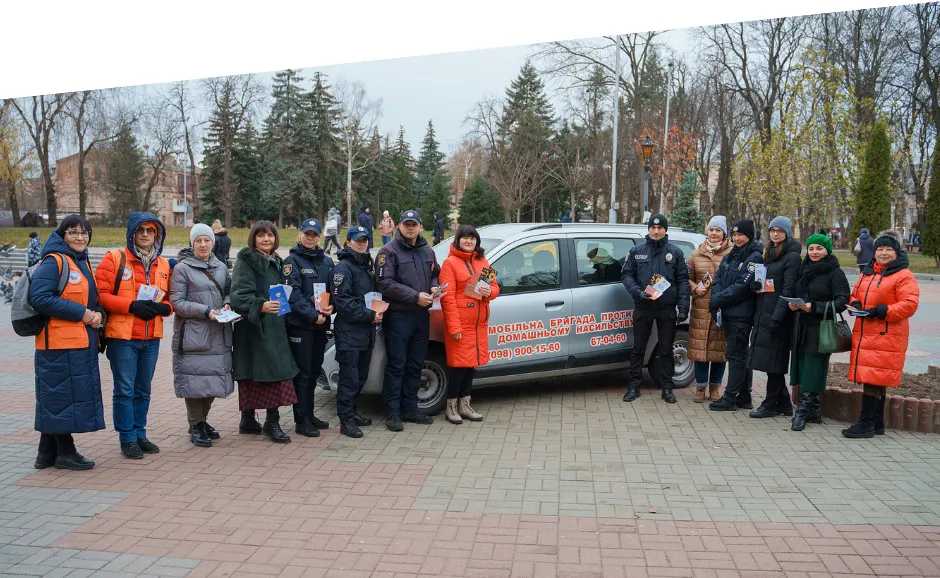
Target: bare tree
<point x="923" y="42"/>
<point x="359" y="120"/>
<point x="234" y="99"/>
<point x="179" y="98"/>
<point x="40" y="114"/>
<point x="14" y="157"/>
<point x="162" y="135"/>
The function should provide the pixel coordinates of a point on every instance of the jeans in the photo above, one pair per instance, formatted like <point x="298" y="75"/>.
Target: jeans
<point x="702" y="372"/>
<point x="353" y="372"/>
<point x="740" y="378"/>
<point x="132" y="364"/>
<point x="406" y="346"/>
<point x="386" y="239"/>
<point x="643" y="320"/>
<point x="307" y="348"/>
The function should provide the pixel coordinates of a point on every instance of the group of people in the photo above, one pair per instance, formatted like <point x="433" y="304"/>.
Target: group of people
<point x="744" y="323"/>
<point x="275" y="358"/>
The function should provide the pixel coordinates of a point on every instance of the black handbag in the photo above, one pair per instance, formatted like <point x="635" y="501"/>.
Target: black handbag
<point x="834" y="336"/>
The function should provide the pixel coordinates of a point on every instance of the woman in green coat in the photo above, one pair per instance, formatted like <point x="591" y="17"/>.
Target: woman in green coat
<point x="262" y="363"/>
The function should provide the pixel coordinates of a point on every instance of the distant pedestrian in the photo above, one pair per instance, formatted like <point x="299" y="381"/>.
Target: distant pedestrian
<point x="222" y="244"/>
<point x="365" y="221"/>
<point x="331" y="231"/>
<point x="863" y="249"/>
<point x="438" y="233"/>
<point x="386" y="227"/>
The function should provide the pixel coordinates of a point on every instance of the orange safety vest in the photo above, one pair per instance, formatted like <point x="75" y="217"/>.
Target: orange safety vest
<point x="121" y="325"/>
<point x="61" y="333"/>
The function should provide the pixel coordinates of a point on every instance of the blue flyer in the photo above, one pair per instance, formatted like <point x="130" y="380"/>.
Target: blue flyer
<point x="279" y="293"/>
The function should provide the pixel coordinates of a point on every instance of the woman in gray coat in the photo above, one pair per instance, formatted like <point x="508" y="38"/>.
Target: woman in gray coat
<point x="202" y="347"/>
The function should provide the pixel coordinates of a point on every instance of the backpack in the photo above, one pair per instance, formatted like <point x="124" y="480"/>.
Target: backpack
<point x="27" y="322"/>
<point x="857" y="249"/>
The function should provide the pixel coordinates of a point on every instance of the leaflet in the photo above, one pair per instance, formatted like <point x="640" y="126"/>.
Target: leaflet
<point x="227" y="316"/>
<point x="857" y="312"/>
<point x="760" y="274"/>
<point x="658" y="286"/>
<point x="794" y="300"/>
<point x="150" y="293"/>
<point x="321" y="297"/>
<point x="374" y="302"/>
<point x="440" y="291"/>
<point x="706" y="281"/>
<point x="487" y="276"/>
<point x="280" y="293"/>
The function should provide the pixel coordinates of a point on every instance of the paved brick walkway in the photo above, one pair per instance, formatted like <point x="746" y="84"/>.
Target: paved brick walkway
<point x="560" y="480"/>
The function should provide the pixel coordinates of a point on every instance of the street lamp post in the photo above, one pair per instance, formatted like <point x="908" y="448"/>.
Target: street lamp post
<point x="647" y="149"/>
<point x="612" y="214"/>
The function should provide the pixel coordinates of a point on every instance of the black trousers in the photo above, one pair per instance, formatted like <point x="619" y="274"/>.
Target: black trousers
<point x="460" y="382"/>
<point x="331" y="239"/>
<point x="308" y="348"/>
<point x="643" y="321"/>
<point x="56" y="444"/>
<point x="353" y="372"/>
<point x="740" y="378"/>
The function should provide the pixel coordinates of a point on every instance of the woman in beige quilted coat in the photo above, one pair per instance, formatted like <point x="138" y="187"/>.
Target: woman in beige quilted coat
<point x="706" y="339"/>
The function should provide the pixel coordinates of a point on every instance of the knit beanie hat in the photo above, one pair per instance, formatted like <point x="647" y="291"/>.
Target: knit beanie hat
<point x="891" y="238"/>
<point x="216" y="226"/>
<point x="745" y="227"/>
<point x="782" y="223"/>
<point x="819" y="239"/>
<point x="658" y="219"/>
<point x="720" y="222"/>
<point x="200" y="229"/>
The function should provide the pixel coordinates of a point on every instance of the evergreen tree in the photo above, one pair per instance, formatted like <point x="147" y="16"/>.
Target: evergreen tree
<point x="327" y="180"/>
<point x="124" y="170"/>
<point x="930" y="236"/>
<point x="375" y="187"/>
<point x="248" y="175"/>
<point x="872" y="199"/>
<point x="479" y="205"/>
<point x="686" y="213"/>
<point x="430" y="159"/>
<point x="437" y="199"/>
<point x="402" y="186"/>
<point x="527" y="114"/>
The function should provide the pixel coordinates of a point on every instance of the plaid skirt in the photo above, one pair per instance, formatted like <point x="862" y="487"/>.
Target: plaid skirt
<point x="265" y="394"/>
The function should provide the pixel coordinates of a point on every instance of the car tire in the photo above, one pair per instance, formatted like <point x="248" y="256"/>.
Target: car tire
<point x="685" y="368"/>
<point x="432" y="389"/>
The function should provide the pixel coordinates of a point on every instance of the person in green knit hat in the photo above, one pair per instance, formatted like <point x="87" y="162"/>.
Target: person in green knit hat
<point x="821" y="284"/>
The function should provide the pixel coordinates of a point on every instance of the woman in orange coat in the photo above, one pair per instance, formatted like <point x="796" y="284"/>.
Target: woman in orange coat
<point x="888" y="294"/>
<point x="466" y="313"/>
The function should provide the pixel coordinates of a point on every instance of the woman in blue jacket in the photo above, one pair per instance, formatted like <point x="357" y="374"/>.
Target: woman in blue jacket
<point x="68" y="386"/>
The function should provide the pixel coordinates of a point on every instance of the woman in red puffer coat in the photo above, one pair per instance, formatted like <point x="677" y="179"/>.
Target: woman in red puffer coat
<point x="466" y="314"/>
<point x="887" y="292"/>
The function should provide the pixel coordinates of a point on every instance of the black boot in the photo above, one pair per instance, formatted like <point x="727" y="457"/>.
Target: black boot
<point x="806" y="411"/>
<point x="200" y="436"/>
<point x="632" y="393"/>
<point x="319" y="423"/>
<point x="865" y="426"/>
<point x="361" y="421"/>
<point x="723" y="404"/>
<point x="213" y="434"/>
<point x="305" y="428"/>
<point x="784" y="404"/>
<point x="880" y="415"/>
<point x="348" y="427"/>
<point x="272" y="428"/>
<point x="45" y="458"/>
<point x="668" y="396"/>
<point x="768" y="407"/>
<point x="249" y="423"/>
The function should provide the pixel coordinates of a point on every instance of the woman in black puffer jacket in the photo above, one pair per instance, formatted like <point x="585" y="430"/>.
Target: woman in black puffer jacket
<point x="770" y="337"/>
<point x="823" y="286"/>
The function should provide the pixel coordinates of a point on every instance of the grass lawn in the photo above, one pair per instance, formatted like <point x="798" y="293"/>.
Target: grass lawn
<point x="110" y="237"/>
<point x="919" y="262"/>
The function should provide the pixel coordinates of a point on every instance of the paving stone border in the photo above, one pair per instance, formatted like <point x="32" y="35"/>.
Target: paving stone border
<point x="901" y="412"/>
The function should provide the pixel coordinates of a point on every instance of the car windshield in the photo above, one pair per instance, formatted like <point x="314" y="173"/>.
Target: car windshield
<point x="442" y="249"/>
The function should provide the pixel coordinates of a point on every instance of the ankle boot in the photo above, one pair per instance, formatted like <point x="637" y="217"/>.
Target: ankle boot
<point x="714" y="391"/>
<point x="865" y="426"/>
<point x="451" y="413"/>
<point x="249" y="423"/>
<point x="272" y="428"/>
<point x="699" y="396"/>
<point x="880" y="415"/>
<point x="200" y="436"/>
<point x="784" y="405"/>
<point x="466" y="412"/>
<point x="806" y="410"/>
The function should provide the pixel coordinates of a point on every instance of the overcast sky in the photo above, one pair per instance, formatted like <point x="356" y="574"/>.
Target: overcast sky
<point x="441" y="87"/>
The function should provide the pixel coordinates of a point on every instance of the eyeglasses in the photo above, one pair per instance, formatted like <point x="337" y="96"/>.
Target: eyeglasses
<point x="146" y="231"/>
<point x="79" y="234"/>
<point x="776" y="230"/>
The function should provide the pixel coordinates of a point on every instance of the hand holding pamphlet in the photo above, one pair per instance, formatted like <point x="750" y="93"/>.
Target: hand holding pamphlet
<point x="440" y="291"/>
<point x="374" y="302"/>
<point x="706" y="281"/>
<point x="280" y="293"/>
<point x="321" y="296"/>
<point x="227" y="316"/>
<point x="658" y="285"/>
<point x="794" y="301"/>
<point x="856" y="312"/>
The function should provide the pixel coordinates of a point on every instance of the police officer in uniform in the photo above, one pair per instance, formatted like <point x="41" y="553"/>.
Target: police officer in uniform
<point x="645" y="265"/>
<point x="355" y="335"/>
<point x="734" y="297"/>
<point x="306" y="325"/>
<point x="406" y="275"/>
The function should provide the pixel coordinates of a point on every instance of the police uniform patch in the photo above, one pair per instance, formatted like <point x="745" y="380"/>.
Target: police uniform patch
<point x="338" y="279"/>
<point x="411" y="214"/>
<point x="361" y="230"/>
<point x="734" y="229"/>
<point x="655" y="221"/>
<point x="75" y="278"/>
<point x="639" y="256"/>
<point x="381" y="260"/>
<point x="751" y="267"/>
<point x="287" y="269"/>
<point x="127" y="274"/>
<point x="740" y="265"/>
<point x="668" y="257"/>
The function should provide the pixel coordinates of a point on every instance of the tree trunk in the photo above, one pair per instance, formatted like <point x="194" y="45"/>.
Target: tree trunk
<point x="14" y="203"/>
<point x="349" y="202"/>
<point x="227" y="184"/>
<point x="49" y="187"/>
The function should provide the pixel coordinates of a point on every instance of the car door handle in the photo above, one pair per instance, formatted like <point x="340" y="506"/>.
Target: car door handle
<point x="554" y="303"/>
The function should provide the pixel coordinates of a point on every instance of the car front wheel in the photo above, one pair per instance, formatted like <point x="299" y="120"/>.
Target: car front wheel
<point x="432" y="387"/>
<point x="684" y="368"/>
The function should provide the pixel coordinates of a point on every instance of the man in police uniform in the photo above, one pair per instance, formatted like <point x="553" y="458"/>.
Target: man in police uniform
<point x="406" y="273"/>
<point x="645" y="265"/>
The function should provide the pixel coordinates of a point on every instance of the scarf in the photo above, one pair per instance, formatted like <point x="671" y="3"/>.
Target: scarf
<point x="879" y="267"/>
<point x="146" y="257"/>
<point x="715" y="247"/>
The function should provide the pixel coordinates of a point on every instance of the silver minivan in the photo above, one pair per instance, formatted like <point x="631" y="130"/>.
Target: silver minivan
<point x="562" y="310"/>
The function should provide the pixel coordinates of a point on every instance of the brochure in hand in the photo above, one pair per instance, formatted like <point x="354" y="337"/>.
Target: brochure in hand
<point x="150" y="293"/>
<point x="440" y="291"/>
<point x="706" y="281"/>
<point x="794" y="300"/>
<point x="760" y="274"/>
<point x="374" y="302"/>
<point x="280" y="293"/>
<point x="487" y="276"/>
<point x="321" y="296"/>
<point x="856" y="312"/>
<point x="658" y="285"/>
<point x="227" y="316"/>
